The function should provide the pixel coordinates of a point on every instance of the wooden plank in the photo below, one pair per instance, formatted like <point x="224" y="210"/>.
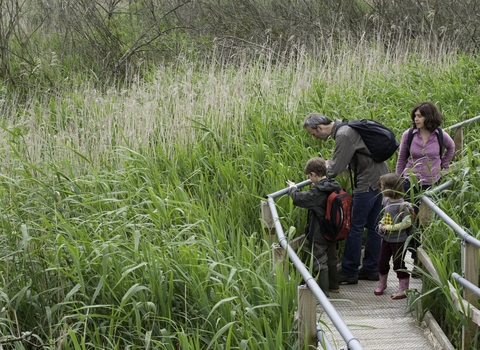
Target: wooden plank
<point x="372" y="318"/>
<point x="297" y="242"/>
<point x="458" y="139"/>
<point x="279" y="256"/>
<point x="460" y="303"/>
<point x="268" y="223"/>
<point x="425" y="215"/>
<point x="437" y="332"/>
<point x="470" y="270"/>
<point x="427" y="263"/>
<point x="307" y="315"/>
<point x="463" y="306"/>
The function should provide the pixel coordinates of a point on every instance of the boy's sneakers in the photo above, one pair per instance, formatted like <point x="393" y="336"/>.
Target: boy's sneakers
<point x="364" y="275"/>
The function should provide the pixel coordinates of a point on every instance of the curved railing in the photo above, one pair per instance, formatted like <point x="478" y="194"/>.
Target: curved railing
<point x="470" y="269"/>
<point x="469" y="278"/>
<point x="347" y="335"/>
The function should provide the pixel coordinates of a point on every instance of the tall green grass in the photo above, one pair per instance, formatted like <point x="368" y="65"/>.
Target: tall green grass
<point x="131" y="219"/>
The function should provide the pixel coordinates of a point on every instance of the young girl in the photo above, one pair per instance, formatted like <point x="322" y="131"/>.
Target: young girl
<point x="393" y="229"/>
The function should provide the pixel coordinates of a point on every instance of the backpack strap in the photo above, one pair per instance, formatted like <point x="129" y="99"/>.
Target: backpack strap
<point x="342" y="123"/>
<point x="439" y="138"/>
<point x="440" y="141"/>
<point x="353" y="174"/>
<point x="409" y="139"/>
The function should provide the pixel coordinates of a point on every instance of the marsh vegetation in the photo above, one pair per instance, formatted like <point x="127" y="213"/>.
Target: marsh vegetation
<point x="132" y="174"/>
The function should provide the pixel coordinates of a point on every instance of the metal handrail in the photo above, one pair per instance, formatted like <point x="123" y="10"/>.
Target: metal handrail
<point x="439" y="188"/>
<point x="466" y="283"/>
<point x="321" y="338"/>
<point x="469" y="242"/>
<point x="352" y="342"/>
<point x="465" y="122"/>
<point x="470" y="245"/>
<point x="454" y="226"/>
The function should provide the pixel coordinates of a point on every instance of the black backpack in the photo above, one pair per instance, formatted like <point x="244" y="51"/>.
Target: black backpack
<point x="439" y="137"/>
<point x="379" y="139"/>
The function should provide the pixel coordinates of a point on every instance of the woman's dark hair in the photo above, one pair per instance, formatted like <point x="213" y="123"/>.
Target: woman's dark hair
<point x="392" y="185"/>
<point x="433" y="117"/>
<point x="316" y="165"/>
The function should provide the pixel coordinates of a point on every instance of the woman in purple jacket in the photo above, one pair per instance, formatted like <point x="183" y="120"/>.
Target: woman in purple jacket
<point x="425" y="150"/>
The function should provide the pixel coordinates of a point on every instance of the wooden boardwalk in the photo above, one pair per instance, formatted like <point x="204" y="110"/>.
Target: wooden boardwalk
<point x="378" y="322"/>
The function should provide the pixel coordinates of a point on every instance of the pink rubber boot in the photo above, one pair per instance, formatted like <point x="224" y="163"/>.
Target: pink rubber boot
<point x="402" y="287"/>
<point x="382" y="284"/>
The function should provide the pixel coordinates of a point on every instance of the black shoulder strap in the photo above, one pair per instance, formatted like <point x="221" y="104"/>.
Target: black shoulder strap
<point x="342" y="123"/>
<point x="440" y="141"/>
<point x="439" y="137"/>
<point x="353" y="177"/>
<point x="410" y="138"/>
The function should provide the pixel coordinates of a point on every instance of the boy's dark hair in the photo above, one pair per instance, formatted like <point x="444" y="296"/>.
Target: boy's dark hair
<point x="392" y="186"/>
<point x="316" y="165"/>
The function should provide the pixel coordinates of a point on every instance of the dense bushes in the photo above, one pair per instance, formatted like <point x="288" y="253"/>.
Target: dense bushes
<point x="46" y="44"/>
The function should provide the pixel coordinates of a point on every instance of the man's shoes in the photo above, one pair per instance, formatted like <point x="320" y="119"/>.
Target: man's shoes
<point x="342" y="279"/>
<point x="364" y="275"/>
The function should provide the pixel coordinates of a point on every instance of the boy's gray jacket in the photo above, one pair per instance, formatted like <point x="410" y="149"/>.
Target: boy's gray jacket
<point x="315" y="200"/>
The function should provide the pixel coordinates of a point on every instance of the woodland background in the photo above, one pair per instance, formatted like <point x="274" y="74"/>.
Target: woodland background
<point x="138" y="138"/>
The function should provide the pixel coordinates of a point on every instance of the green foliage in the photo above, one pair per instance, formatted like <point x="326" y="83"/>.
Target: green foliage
<point x="131" y="219"/>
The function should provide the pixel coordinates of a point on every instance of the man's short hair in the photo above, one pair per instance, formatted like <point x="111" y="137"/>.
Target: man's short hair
<point x="314" y="119"/>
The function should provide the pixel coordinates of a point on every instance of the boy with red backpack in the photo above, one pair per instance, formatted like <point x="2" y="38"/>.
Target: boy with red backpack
<point x="323" y="251"/>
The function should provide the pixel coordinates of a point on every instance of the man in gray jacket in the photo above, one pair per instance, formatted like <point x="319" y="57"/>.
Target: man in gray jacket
<point x="350" y="150"/>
